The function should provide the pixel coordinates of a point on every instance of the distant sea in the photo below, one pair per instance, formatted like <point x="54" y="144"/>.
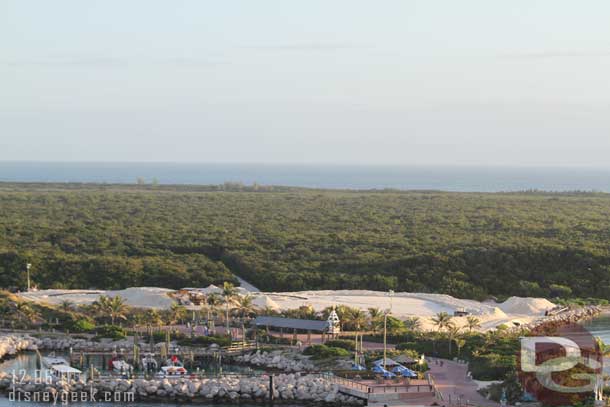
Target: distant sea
<point x="475" y="179"/>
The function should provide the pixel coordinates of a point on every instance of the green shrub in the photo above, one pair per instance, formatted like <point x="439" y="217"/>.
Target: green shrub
<point x="342" y="343"/>
<point x="162" y="335"/>
<point x="492" y="366"/>
<point x="323" y="352"/>
<point x="82" y="325"/>
<point x="205" y="341"/>
<point x="111" y="331"/>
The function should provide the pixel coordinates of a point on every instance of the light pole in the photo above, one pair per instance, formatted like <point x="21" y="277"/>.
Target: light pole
<point x="28" y="266"/>
<point x="385" y="329"/>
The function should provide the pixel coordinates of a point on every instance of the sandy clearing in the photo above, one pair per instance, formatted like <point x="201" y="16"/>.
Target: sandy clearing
<point x="403" y="305"/>
<point x="423" y="305"/>
<point x="144" y="297"/>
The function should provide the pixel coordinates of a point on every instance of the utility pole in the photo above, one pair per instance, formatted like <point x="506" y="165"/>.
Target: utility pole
<point x="27" y="266"/>
<point x="385" y="338"/>
<point x="227" y="318"/>
<point x="385" y="329"/>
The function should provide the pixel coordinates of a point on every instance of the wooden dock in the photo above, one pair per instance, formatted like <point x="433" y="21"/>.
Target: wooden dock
<point x="404" y="393"/>
<point x="83" y="357"/>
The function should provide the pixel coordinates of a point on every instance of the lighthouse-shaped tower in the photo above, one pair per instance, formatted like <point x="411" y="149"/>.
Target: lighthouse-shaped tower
<point x="334" y="326"/>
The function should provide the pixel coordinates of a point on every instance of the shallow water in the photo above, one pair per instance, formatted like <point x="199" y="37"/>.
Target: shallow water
<point x="600" y="327"/>
<point x="26" y="362"/>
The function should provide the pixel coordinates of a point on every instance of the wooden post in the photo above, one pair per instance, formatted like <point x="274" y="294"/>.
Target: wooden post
<point x="309" y="337"/>
<point x="271" y="388"/>
<point x="282" y="333"/>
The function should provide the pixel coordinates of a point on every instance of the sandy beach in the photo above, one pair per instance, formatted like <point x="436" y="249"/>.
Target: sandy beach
<point x="515" y="310"/>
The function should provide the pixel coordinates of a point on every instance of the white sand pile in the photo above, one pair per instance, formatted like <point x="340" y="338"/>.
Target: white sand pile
<point x="526" y="306"/>
<point x="403" y="304"/>
<point x="143" y="297"/>
<point x="513" y="311"/>
<point x="55" y="297"/>
<point x="423" y="305"/>
<point x="211" y="289"/>
<point x="264" y="301"/>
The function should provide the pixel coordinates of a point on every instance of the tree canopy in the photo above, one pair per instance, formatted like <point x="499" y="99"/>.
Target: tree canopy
<point x="469" y="245"/>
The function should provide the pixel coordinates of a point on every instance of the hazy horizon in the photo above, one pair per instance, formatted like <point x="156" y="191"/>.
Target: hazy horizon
<point x="424" y="82"/>
<point x="332" y="176"/>
<point x="321" y="163"/>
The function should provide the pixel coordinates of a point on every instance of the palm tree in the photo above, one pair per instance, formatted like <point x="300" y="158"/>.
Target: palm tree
<point x="213" y="300"/>
<point x="66" y="306"/>
<point x="153" y="317"/>
<point x="272" y="311"/>
<point x="453" y="332"/>
<point x="472" y="323"/>
<point x="358" y="318"/>
<point x="116" y="308"/>
<point x="26" y="313"/>
<point x="228" y="292"/>
<point x="244" y="306"/>
<point x="442" y="320"/>
<point x="138" y="319"/>
<point x="101" y="306"/>
<point x="376" y="319"/>
<point x="177" y="313"/>
<point x="460" y="342"/>
<point x="413" y="324"/>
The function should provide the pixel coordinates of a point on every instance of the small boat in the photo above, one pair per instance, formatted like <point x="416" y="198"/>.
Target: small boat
<point x="52" y="360"/>
<point x="119" y="365"/>
<point x="172" y="371"/>
<point x="65" y="372"/>
<point x="149" y="363"/>
<point x="173" y="368"/>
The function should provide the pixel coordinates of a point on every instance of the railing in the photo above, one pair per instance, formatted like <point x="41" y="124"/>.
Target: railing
<point x="382" y="388"/>
<point x="240" y="346"/>
<point x="349" y="383"/>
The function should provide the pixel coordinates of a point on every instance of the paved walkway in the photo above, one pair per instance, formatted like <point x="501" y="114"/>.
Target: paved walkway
<point x="452" y="382"/>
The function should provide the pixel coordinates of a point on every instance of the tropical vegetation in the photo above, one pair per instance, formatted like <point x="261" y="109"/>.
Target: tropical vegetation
<point x="471" y="245"/>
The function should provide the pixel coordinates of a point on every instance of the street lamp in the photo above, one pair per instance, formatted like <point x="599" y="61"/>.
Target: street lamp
<point x="385" y="329"/>
<point x="28" y="266"/>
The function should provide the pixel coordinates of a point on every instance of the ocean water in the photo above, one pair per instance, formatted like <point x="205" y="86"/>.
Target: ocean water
<point x="26" y="362"/>
<point x="475" y="179"/>
<point x="600" y="327"/>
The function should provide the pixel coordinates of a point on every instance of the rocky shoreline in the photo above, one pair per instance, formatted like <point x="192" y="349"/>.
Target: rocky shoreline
<point x="573" y="316"/>
<point x="276" y="360"/>
<point x="289" y="388"/>
<point x="10" y="345"/>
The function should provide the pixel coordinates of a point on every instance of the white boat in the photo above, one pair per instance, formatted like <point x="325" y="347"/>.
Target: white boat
<point x="173" y="368"/>
<point x="52" y="360"/>
<point x="172" y="371"/>
<point x="65" y="372"/>
<point x="120" y="366"/>
<point x="149" y="363"/>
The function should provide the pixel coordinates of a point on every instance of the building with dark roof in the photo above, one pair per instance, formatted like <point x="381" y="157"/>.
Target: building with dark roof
<point x="292" y="324"/>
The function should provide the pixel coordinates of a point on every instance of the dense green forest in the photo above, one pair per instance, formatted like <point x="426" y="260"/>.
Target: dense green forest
<point x="465" y="244"/>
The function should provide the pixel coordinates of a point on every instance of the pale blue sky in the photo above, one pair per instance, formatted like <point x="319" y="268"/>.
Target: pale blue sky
<point x="519" y="82"/>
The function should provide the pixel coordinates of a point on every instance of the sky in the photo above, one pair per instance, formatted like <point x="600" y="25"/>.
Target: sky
<point x="408" y="82"/>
